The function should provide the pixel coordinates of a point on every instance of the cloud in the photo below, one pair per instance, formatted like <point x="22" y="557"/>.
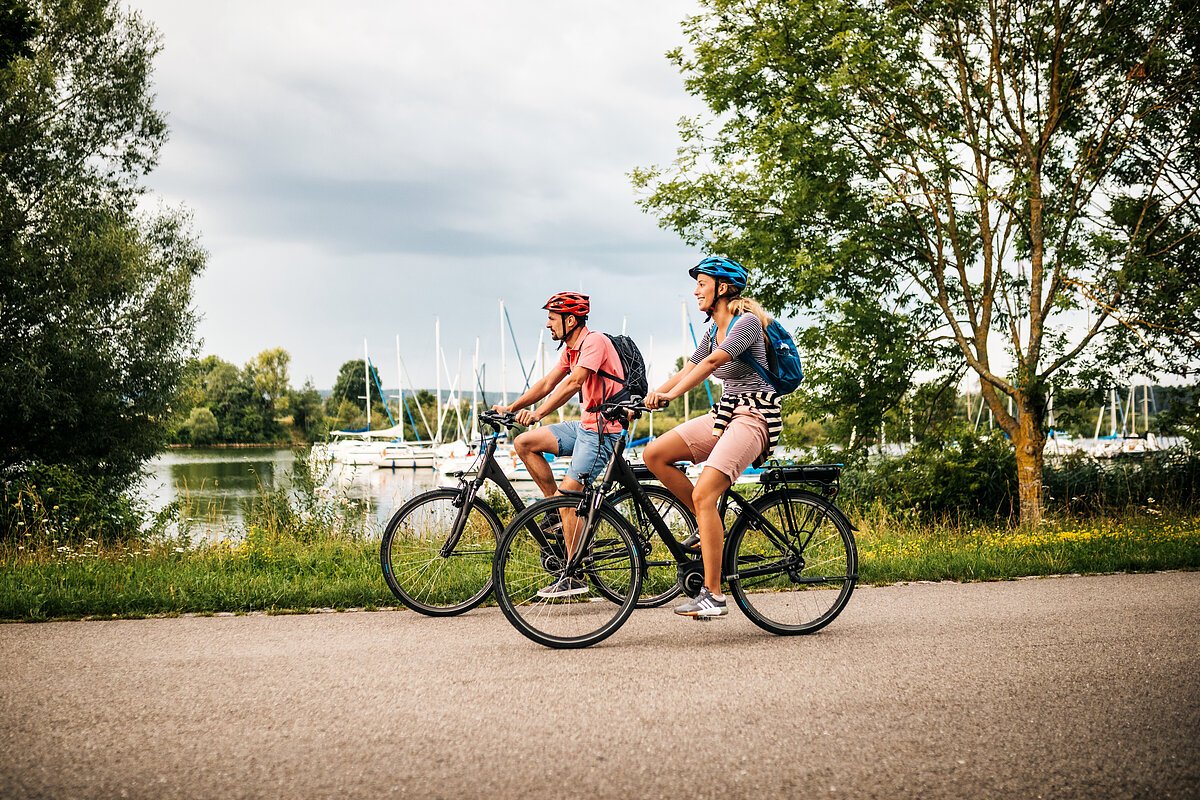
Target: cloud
<point x="356" y="170"/>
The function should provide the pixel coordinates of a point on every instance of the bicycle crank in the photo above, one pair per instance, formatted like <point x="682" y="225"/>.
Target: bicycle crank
<point x="691" y="577"/>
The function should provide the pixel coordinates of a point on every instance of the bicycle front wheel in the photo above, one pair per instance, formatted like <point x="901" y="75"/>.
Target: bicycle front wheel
<point x="423" y="570"/>
<point x="793" y="571"/>
<point x="660" y="580"/>
<point x="555" y="605"/>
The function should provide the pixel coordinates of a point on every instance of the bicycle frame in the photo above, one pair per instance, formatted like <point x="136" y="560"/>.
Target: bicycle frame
<point x="619" y="472"/>
<point x="469" y="489"/>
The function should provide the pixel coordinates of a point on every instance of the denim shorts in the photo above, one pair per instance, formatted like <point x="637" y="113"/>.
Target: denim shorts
<point x="589" y="450"/>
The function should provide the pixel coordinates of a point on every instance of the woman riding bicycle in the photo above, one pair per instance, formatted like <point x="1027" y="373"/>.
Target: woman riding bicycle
<point x="741" y="429"/>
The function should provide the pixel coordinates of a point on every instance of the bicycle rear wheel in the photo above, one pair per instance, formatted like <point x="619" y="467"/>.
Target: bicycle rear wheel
<point x="419" y="573"/>
<point x="531" y="557"/>
<point x="794" y="572"/>
<point x="660" y="580"/>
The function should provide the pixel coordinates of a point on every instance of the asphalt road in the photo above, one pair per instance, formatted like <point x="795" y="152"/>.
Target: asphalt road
<point x="1060" y="687"/>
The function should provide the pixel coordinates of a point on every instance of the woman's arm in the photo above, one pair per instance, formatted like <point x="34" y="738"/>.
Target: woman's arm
<point x="688" y="378"/>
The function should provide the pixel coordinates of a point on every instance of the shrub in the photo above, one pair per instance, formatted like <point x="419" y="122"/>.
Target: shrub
<point x="48" y="503"/>
<point x="1082" y="484"/>
<point x="971" y="477"/>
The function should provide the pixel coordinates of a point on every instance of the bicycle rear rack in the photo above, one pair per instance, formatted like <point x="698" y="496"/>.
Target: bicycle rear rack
<point x="824" y="478"/>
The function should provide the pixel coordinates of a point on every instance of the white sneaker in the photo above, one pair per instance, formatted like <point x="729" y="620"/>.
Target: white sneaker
<point x="566" y="586"/>
<point x="704" y="605"/>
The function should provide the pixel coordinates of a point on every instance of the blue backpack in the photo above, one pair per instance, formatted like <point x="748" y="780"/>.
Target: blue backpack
<point x="783" y="371"/>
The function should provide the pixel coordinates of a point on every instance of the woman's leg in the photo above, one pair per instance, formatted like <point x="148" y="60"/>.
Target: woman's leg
<point x="689" y="441"/>
<point x="706" y="494"/>
<point x="660" y="457"/>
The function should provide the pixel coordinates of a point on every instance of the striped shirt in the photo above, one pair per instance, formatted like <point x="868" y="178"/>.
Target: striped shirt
<point x="741" y="385"/>
<point x="745" y="334"/>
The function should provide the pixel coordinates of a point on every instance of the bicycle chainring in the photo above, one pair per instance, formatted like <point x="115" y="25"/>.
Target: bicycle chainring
<point x="691" y="577"/>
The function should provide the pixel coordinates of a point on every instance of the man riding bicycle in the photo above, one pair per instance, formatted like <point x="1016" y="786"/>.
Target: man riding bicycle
<point x="586" y="361"/>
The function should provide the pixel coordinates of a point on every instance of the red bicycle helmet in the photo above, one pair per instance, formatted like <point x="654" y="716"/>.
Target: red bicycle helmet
<point x="569" y="303"/>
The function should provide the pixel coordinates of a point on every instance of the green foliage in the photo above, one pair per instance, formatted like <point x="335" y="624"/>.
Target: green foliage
<point x="1166" y="480"/>
<point x="202" y="426"/>
<point x="308" y="411"/>
<point x="243" y="413"/>
<point x="350" y="386"/>
<point x="1181" y="417"/>
<point x="48" y="505"/>
<point x="929" y="181"/>
<point x="296" y="509"/>
<point x="971" y="477"/>
<point x="95" y="317"/>
<point x="268" y="373"/>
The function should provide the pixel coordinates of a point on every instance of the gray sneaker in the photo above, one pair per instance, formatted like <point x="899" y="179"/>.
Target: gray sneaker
<point x="704" y="605"/>
<point x="566" y="586"/>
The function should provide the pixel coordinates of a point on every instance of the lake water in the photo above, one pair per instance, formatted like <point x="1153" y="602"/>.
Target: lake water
<point x="215" y="483"/>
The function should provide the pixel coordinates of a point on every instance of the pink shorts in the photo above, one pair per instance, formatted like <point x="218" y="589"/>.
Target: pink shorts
<point x="736" y="448"/>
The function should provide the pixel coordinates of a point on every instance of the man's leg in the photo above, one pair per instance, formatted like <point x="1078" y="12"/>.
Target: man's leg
<point x="571" y="523"/>
<point x="530" y="446"/>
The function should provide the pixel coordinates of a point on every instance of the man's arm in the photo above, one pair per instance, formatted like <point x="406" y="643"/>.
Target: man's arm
<point x="565" y="390"/>
<point x="535" y="392"/>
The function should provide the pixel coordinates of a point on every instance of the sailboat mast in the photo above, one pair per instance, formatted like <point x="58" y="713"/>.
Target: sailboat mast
<point x="649" y="370"/>
<point x="367" y="381"/>
<point x="1113" y="414"/>
<point x="437" y="368"/>
<point x="503" y="361"/>
<point x="400" y="391"/>
<point x="475" y="392"/>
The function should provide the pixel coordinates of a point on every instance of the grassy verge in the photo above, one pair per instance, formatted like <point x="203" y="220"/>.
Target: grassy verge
<point x="892" y="550"/>
<point x="164" y="579"/>
<point x="291" y="569"/>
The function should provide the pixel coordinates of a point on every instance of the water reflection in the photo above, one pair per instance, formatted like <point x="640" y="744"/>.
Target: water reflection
<point x="214" y="484"/>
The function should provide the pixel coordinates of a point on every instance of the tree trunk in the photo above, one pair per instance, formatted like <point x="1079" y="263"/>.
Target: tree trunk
<point x="1029" y="443"/>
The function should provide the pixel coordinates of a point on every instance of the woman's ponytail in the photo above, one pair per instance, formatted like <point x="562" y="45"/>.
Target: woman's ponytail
<point x="748" y="305"/>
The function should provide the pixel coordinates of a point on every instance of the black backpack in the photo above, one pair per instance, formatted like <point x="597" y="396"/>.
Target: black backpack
<point x="634" y="384"/>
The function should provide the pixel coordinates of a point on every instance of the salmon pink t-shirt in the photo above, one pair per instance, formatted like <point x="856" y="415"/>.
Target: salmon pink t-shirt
<point x="596" y="353"/>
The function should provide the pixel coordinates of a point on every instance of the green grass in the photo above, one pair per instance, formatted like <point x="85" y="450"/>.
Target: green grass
<point x="296" y="569"/>
<point x="281" y="576"/>
<point x="891" y="549"/>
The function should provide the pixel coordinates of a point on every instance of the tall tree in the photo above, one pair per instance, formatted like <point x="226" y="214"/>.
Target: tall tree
<point x="350" y="386"/>
<point x="95" y="316"/>
<point x="954" y="184"/>
<point x="269" y="372"/>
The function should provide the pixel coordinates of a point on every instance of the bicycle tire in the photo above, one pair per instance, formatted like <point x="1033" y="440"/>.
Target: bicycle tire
<point x="527" y="563"/>
<point x="660" y="574"/>
<point x="413" y="565"/>
<point x="801" y="584"/>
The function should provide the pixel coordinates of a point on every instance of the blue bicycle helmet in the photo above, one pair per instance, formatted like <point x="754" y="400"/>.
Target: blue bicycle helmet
<point x="722" y="269"/>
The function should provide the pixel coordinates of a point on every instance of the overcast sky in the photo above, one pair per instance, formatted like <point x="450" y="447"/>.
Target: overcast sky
<point x="358" y="170"/>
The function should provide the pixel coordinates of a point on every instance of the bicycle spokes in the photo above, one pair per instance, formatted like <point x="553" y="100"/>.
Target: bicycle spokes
<point x="795" y="563"/>
<point x="566" y="601"/>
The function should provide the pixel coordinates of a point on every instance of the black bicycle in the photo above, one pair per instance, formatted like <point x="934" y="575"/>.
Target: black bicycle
<point x="790" y="559"/>
<point x="437" y="548"/>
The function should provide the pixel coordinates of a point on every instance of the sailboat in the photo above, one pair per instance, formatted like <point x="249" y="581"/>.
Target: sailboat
<point x="399" y="454"/>
<point x="360" y="447"/>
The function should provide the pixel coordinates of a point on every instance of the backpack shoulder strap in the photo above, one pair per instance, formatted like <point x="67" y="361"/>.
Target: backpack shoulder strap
<point x="605" y="373"/>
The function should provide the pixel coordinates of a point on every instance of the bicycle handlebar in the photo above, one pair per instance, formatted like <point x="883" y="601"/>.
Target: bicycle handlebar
<point x="625" y="409"/>
<point x="498" y="420"/>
